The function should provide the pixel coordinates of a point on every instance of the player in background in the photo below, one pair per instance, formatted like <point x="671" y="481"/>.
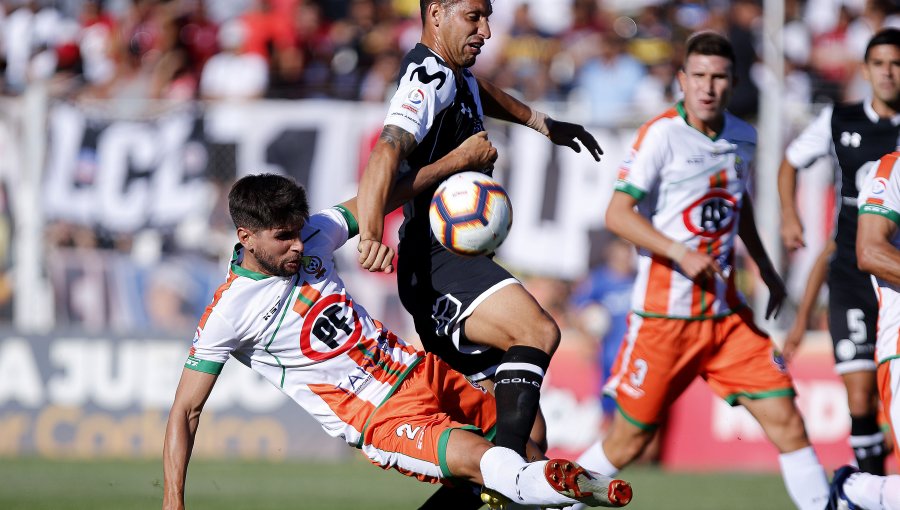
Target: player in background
<point x="468" y="310"/>
<point x="856" y="135"/>
<point x="285" y="312"/>
<point x="682" y="199"/>
<point x="878" y="254"/>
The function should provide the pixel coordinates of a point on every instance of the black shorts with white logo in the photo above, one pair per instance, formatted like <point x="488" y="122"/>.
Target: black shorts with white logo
<point x="440" y="292"/>
<point x="852" y="315"/>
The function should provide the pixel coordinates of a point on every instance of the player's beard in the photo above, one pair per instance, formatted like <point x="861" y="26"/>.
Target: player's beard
<point x="271" y="266"/>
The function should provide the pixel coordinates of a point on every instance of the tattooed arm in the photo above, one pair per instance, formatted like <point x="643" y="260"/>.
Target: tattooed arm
<point x="392" y="147"/>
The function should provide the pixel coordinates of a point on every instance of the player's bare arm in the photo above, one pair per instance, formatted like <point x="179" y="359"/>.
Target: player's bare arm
<point x="791" y="226"/>
<point x="750" y="236"/>
<point x="500" y="105"/>
<point x="813" y="285"/>
<point x="624" y="221"/>
<point x="874" y="252"/>
<point x="475" y="153"/>
<point x="394" y="145"/>
<point x="184" y="417"/>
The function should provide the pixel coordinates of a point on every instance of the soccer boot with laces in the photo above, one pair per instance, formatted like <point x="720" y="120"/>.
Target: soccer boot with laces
<point x="592" y="489"/>
<point x="837" y="500"/>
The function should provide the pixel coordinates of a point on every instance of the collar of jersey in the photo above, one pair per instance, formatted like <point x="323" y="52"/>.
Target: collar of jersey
<point x="236" y="268"/>
<point x="679" y="106"/>
<point x="873" y="116"/>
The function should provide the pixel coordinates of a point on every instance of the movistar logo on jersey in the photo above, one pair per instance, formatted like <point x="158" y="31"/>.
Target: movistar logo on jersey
<point x="422" y="75"/>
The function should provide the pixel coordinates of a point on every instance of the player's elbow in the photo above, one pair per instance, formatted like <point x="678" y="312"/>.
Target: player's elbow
<point x="614" y="220"/>
<point x="866" y="257"/>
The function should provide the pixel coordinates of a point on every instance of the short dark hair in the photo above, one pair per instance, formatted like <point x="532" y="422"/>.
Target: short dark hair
<point x="887" y="36"/>
<point x="710" y="43"/>
<point x="264" y="201"/>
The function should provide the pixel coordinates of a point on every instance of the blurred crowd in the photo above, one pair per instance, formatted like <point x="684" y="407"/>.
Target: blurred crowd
<point x="604" y="53"/>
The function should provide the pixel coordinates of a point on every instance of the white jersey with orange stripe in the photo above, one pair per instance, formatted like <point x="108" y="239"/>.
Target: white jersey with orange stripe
<point x="690" y="187"/>
<point x="305" y="334"/>
<point x="880" y="194"/>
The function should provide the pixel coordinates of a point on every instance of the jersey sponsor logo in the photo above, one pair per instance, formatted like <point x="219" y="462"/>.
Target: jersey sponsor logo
<point x="712" y="215"/>
<point x="849" y="139"/>
<point x="330" y="328"/>
<point x="422" y="75"/>
<point x="313" y="265"/>
<point x="879" y="185"/>
<point x="444" y="312"/>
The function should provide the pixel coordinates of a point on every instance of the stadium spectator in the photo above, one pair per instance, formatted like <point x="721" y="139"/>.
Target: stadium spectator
<point x="855" y="135"/>
<point x="234" y="73"/>
<point x="609" y="79"/>
<point x="403" y="408"/>
<point x="688" y="318"/>
<point x="878" y="251"/>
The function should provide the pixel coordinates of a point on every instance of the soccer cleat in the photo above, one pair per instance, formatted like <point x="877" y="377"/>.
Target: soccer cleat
<point x="837" y="500"/>
<point x="493" y="499"/>
<point x="592" y="489"/>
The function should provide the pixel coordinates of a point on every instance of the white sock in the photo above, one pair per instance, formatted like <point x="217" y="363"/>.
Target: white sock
<point x="594" y="459"/>
<point x="805" y="478"/>
<point x="506" y="472"/>
<point x="872" y="492"/>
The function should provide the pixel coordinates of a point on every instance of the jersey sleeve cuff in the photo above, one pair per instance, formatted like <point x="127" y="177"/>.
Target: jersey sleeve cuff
<point x="202" y="365"/>
<point x="631" y="189"/>
<point x="880" y="210"/>
<point x="352" y="225"/>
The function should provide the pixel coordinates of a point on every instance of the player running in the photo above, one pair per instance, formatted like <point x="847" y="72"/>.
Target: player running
<point x="468" y="310"/>
<point x="284" y="312"/>
<point x="878" y="253"/>
<point x="856" y="135"/>
<point x="682" y="199"/>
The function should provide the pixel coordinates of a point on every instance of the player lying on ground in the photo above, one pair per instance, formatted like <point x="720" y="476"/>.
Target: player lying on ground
<point x="285" y="313"/>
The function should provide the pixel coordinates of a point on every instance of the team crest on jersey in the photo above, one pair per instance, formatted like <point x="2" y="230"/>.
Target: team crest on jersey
<point x="712" y="215"/>
<point x="312" y="265"/>
<point x="331" y="327"/>
<point x="778" y="361"/>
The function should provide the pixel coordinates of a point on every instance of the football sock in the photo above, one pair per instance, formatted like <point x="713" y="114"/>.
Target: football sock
<point x="517" y="390"/>
<point x="463" y="496"/>
<point x="594" y="459"/>
<point x="867" y="441"/>
<point x="506" y="472"/>
<point x="805" y="478"/>
<point x="873" y="492"/>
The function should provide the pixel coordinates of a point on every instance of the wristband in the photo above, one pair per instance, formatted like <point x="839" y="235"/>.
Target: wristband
<point x="539" y="122"/>
<point x="676" y="251"/>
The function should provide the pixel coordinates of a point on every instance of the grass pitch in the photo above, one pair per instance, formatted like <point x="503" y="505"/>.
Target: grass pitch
<point x="38" y="484"/>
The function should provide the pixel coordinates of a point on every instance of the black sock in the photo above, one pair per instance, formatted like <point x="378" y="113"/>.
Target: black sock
<point x="517" y="388"/>
<point x="867" y="441"/>
<point x="462" y="496"/>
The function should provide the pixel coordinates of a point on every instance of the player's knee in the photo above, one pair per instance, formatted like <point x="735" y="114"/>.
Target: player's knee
<point x="787" y="432"/>
<point x="542" y="333"/>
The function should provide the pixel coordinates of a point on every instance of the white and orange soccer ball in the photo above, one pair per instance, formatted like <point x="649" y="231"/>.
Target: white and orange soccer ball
<point x="470" y="214"/>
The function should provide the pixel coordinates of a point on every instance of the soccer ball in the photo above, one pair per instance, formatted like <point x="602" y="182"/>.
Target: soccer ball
<point x="470" y="214"/>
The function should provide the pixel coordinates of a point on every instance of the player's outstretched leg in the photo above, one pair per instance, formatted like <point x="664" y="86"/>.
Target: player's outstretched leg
<point x="553" y="484"/>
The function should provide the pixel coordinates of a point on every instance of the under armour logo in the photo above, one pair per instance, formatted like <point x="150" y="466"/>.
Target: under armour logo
<point x="849" y="139"/>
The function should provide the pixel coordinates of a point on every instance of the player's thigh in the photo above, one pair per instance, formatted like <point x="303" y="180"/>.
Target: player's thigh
<point x="746" y="362"/>
<point x="657" y="361"/>
<point x="888" y="389"/>
<point x="852" y="320"/>
<point x="511" y="316"/>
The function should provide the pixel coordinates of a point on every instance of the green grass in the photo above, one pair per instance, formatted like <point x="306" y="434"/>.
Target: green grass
<point x="36" y="484"/>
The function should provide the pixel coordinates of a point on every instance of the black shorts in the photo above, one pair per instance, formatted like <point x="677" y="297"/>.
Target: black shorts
<point x="441" y="291"/>
<point x="852" y="316"/>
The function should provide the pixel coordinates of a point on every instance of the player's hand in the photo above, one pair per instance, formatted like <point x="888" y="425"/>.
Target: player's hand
<point x="476" y="152"/>
<point x="566" y="133"/>
<point x="793" y="339"/>
<point x="699" y="266"/>
<point x="792" y="232"/>
<point x="375" y="256"/>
